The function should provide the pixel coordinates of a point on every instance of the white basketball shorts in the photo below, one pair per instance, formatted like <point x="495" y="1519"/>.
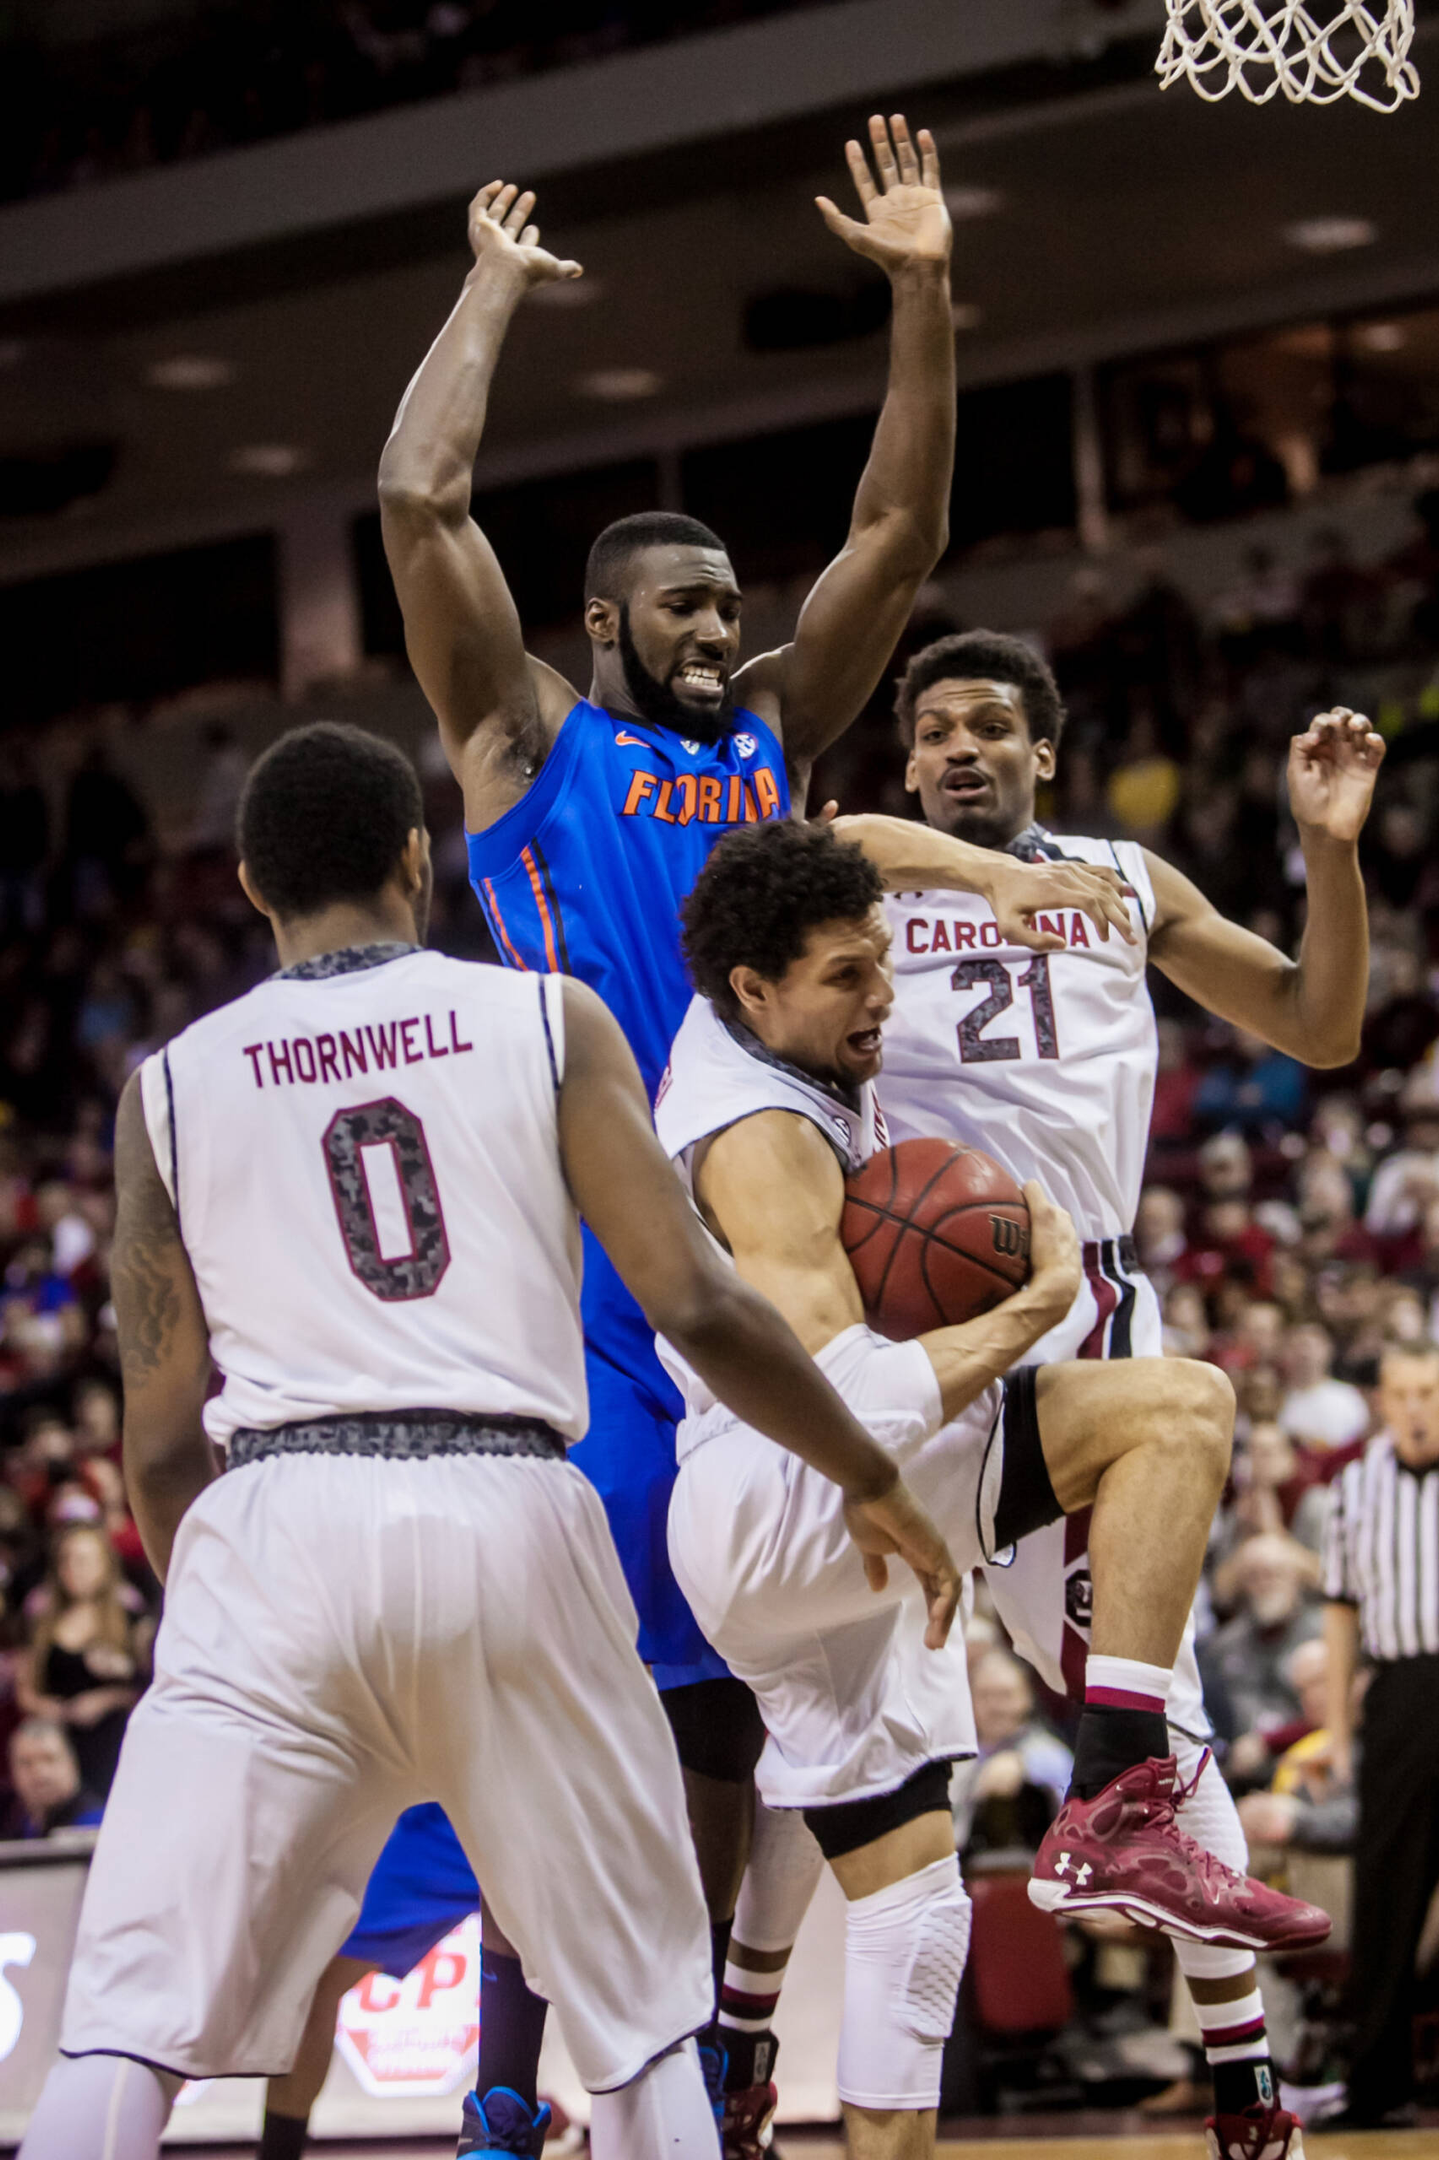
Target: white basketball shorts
<point x="1045" y="1596"/>
<point x="345" y="1636"/>
<point x="853" y="1702"/>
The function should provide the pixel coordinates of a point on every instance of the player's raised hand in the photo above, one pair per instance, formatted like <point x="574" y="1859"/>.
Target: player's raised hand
<point x="905" y="219"/>
<point x="500" y="233"/>
<point x="896" y="1523"/>
<point x="1332" y="769"/>
<point x="1019" y="892"/>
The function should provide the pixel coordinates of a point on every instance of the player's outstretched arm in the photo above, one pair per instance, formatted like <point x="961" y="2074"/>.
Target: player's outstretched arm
<point x="900" y="523"/>
<point x="971" y="1357"/>
<point x="916" y="858"/>
<point x="164" y="1343"/>
<point x="628" y="1193"/>
<point x="498" y="710"/>
<point x="1312" y="1008"/>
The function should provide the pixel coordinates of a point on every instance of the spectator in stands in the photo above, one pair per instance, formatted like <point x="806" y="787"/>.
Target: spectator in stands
<point x="1319" y="1411"/>
<point x="1406" y="1181"/>
<point x="1250" y="1654"/>
<point x="1273" y="1496"/>
<point x="1423" y="1276"/>
<point x="1171" y="1126"/>
<point x="107" y="836"/>
<point x="1251" y="1088"/>
<point x="1295" y="1759"/>
<point x="1186" y="1323"/>
<point x="1327" y="1226"/>
<point x="87" y="1653"/>
<point x="45" y="1776"/>
<point x="38" y="1307"/>
<point x="1159" y="1234"/>
<point x="1227" y="1241"/>
<point x="97" y="1419"/>
<point x="221" y="787"/>
<point x="1259" y="1337"/>
<point x="1012" y="1792"/>
<point x="1144" y="787"/>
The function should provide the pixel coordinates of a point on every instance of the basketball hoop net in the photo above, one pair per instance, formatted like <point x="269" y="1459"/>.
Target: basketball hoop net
<point x="1316" y="53"/>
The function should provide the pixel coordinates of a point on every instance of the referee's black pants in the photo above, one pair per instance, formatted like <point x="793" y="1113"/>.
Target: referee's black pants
<point x="1396" y="1866"/>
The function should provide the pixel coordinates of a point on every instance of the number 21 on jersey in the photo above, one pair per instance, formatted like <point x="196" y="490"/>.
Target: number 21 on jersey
<point x="976" y="1047"/>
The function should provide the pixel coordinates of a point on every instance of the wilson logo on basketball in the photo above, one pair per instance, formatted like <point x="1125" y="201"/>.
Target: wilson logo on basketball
<point x="1008" y="1236"/>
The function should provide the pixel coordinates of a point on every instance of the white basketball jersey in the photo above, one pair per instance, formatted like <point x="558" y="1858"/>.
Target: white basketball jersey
<point x="363" y="1154"/>
<point x="1045" y="1060"/>
<point x="718" y="1074"/>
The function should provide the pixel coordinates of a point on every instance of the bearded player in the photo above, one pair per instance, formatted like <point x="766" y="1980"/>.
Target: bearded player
<point x="589" y="817"/>
<point x="1047" y="1061"/>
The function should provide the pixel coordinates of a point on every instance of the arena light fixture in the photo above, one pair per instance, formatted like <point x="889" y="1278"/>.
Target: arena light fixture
<point x="1384" y="337"/>
<point x="269" y="461"/>
<point x="619" y="385"/>
<point x="190" y="371"/>
<point x="965" y="315"/>
<point x="967" y="203"/>
<point x="1331" y="235"/>
<point x="568" y="292"/>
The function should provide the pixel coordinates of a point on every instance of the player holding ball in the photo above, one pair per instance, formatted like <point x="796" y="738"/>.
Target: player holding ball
<point x="766" y="1107"/>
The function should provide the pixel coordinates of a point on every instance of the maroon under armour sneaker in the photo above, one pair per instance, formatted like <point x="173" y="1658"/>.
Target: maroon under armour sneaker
<point x="745" y="2132"/>
<point x="1260" y="2133"/>
<point x="1123" y="1851"/>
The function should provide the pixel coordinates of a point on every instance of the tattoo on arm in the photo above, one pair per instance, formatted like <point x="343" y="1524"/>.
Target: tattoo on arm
<point x="147" y="1249"/>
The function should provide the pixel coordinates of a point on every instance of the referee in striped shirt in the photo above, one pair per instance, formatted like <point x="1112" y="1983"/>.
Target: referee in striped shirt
<point x="1381" y="1578"/>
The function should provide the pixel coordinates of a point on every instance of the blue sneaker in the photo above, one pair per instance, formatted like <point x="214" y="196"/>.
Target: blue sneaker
<point x="502" y="2123"/>
<point x="714" y="2062"/>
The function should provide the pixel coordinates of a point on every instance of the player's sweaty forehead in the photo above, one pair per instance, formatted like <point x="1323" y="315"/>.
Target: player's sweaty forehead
<point x="956" y="699"/>
<point x="833" y="947"/>
<point x="675" y="572"/>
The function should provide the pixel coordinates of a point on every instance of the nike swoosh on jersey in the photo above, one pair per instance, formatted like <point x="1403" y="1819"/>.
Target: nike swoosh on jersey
<point x="630" y="742"/>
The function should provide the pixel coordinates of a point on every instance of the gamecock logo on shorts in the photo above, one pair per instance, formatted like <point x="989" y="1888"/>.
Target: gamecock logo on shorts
<point x="419" y="2034"/>
<point x="1079" y="1598"/>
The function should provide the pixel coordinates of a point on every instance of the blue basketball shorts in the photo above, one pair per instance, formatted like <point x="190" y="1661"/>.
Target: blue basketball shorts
<point x="421" y="1887"/>
<point x="628" y="1455"/>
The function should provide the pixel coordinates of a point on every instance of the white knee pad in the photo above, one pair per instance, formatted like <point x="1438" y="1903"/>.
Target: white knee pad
<point x="1210" y="1817"/>
<point x="904" y="1956"/>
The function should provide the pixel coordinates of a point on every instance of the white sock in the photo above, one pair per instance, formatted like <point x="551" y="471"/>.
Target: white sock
<point x="1234" y="2031"/>
<point x="1121" y="1683"/>
<point x="663" y="2114"/>
<point x="100" y="2107"/>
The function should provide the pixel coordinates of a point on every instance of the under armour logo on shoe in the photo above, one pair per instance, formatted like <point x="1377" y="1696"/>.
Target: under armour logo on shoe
<point x="1081" y="1874"/>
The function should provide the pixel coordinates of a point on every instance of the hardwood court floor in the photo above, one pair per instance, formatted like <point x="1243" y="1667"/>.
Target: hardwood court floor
<point x="1019" y="2144"/>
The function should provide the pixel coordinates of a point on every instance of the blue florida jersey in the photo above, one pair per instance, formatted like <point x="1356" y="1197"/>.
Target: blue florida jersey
<point x="585" y="876"/>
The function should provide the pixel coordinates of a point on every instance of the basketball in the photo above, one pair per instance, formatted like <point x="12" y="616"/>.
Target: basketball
<point x="935" y="1233"/>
